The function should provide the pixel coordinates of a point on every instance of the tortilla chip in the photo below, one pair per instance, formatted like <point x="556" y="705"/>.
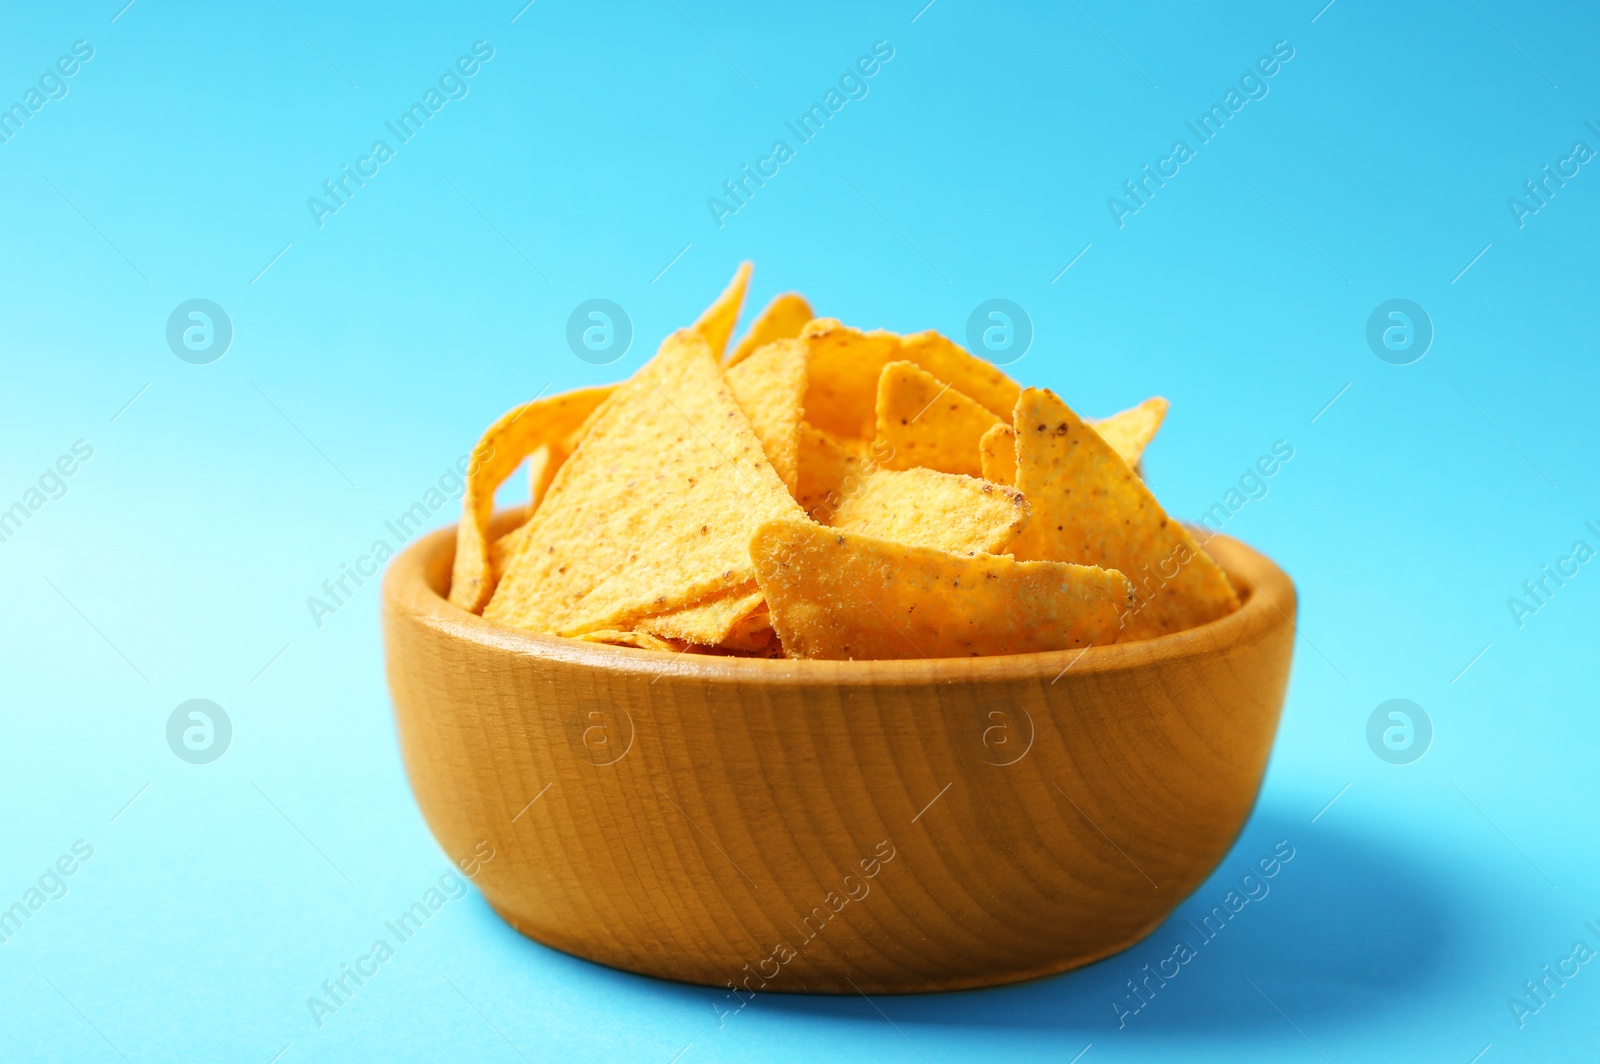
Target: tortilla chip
<point x="1128" y="432"/>
<point x="769" y="386"/>
<point x="842" y="389"/>
<point x="762" y="643"/>
<point x="541" y="471"/>
<point x="845" y="595"/>
<point x="841" y="395"/>
<point x="638" y="640"/>
<point x="922" y="421"/>
<point x="540" y="479"/>
<point x="754" y="635"/>
<point x="500" y="450"/>
<point x="654" y="510"/>
<point x="708" y="622"/>
<point x="997" y="453"/>
<point x="782" y="319"/>
<point x="923" y="508"/>
<point x="543" y="465"/>
<point x="716" y="324"/>
<point x="829" y="467"/>
<point x="975" y="377"/>
<point x="501" y="551"/>
<point x="1089" y="506"/>
<point x="1131" y="431"/>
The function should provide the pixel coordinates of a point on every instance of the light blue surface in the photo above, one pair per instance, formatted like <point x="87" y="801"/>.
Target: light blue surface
<point x="367" y="357"/>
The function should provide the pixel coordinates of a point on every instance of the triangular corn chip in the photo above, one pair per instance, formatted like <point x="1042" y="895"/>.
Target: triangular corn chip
<point x="922" y="421"/>
<point x="542" y="466"/>
<point x="1128" y="432"/>
<point x="541" y="477"/>
<point x="843" y="595"/>
<point x="716" y="324"/>
<point x="998" y="454"/>
<point x="974" y="377"/>
<point x="828" y="467"/>
<point x="1131" y="431"/>
<point x="922" y="508"/>
<point x="1090" y="507"/>
<point x="654" y="510"/>
<point x="706" y="623"/>
<point x="842" y="392"/>
<point x="782" y="319"/>
<point x="638" y="640"/>
<point x="754" y="635"/>
<point x="501" y="551"/>
<point x="770" y="385"/>
<point x="501" y="449"/>
<point x="842" y="385"/>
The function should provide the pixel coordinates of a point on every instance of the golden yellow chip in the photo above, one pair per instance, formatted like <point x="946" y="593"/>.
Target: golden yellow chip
<point x="1131" y="431"/>
<point x="782" y="319"/>
<point x="653" y="512"/>
<point x="842" y="385"/>
<point x="770" y="385"/>
<point x="542" y="466"/>
<point x="1090" y="507"/>
<point x="842" y="595"/>
<point x="541" y="476"/>
<point x="716" y="324"/>
<point x="500" y="450"/>
<point x="924" y="508"/>
<point x="829" y="469"/>
<point x="846" y="363"/>
<point x="1128" y="432"/>
<point x="754" y="635"/>
<point x="638" y="640"/>
<point x="501" y="551"/>
<point x="922" y="421"/>
<point x="974" y="377"/>
<point x="951" y="512"/>
<point x="998" y="454"/>
<point x="706" y="623"/>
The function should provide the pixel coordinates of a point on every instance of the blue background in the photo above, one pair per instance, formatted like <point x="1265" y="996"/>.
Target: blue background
<point x="369" y="354"/>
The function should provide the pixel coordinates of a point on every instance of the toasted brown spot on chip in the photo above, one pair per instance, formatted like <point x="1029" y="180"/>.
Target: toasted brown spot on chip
<point x="913" y="429"/>
<point x="925" y="508"/>
<point x="1091" y="508"/>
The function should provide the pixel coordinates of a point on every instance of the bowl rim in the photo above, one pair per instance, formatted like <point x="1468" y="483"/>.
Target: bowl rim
<point x="409" y="591"/>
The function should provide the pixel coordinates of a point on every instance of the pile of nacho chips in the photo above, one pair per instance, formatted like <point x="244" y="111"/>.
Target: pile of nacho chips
<point x="822" y="492"/>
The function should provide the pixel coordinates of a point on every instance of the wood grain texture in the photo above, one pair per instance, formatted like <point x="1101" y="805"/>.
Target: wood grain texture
<point x="724" y="821"/>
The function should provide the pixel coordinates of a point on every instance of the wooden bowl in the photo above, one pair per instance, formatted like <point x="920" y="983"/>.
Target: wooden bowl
<point x="834" y="827"/>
